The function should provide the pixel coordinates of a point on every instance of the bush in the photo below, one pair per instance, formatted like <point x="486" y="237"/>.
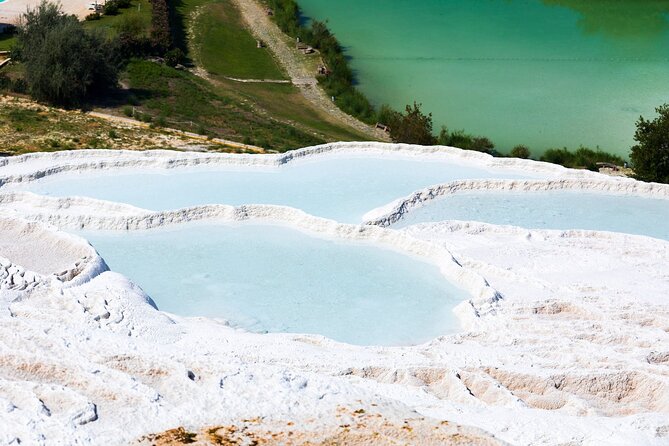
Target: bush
<point x="160" y="26"/>
<point x="412" y="127"/>
<point x="110" y="8"/>
<point x="520" y="151"/>
<point x="465" y="141"/>
<point x="583" y="158"/>
<point x="174" y="57"/>
<point x="5" y="82"/>
<point x="63" y="62"/>
<point x="112" y="134"/>
<point x="93" y="16"/>
<point x="650" y="157"/>
<point x="20" y="86"/>
<point x="127" y="110"/>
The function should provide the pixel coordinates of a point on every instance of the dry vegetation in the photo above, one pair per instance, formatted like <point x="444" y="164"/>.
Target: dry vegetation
<point x="26" y="126"/>
<point x="351" y="427"/>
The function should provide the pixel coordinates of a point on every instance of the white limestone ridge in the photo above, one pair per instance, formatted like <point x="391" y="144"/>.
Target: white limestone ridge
<point x="392" y="212"/>
<point x="35" y="166"/>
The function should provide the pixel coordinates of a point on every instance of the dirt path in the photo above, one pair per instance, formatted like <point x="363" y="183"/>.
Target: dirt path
<point x="300" y="68"/>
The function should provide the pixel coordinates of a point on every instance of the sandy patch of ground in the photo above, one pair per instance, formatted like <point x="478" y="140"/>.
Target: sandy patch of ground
<point x="11" y="10"/>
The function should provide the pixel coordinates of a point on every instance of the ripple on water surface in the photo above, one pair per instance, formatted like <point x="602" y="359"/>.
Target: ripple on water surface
<point x="275" y="279"/>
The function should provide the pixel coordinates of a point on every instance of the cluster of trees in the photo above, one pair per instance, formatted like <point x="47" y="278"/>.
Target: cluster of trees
<point x="64" y="63"/>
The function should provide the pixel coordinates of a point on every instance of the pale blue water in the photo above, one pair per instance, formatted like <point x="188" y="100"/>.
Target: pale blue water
<point x="551" y="210"/>
<point x="337" y="188"/>
<point x="271" y="278"/>
<point x="546" y="73"/>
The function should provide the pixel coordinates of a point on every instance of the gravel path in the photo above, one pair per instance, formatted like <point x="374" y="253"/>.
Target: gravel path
<point x="300" y="68"/>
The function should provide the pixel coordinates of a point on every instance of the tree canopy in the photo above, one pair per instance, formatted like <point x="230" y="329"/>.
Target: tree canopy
<point x="650" y="157"/>
<point x="64" y="63"/>
<point x="410" y="127"/>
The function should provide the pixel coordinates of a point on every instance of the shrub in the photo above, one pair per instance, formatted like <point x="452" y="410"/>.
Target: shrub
<point x="93" y="16"/>
<point x="650" y="157"/>
<point x="466" y="141"/>
<point x="112" y="134"/>
<point x="412" y="127"/>
<point x="520" y="151"/>
<point x="160" y="26"/>
<point x="5" y="82"/>
<point x="174" y="57"/>
<point x="20" y="86"/>
<point x="110" y="8"/>
<point x="583" y="158"/>
<point x="127" y="110"/>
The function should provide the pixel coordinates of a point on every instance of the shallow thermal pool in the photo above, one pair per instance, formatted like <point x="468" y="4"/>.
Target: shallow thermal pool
<point x="275" y="279"/>
<point x="550" y="210"/>
<point x="343" y="189"/>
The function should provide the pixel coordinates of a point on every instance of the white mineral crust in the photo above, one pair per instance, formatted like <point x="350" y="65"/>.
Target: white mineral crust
<point x="566" y="337"/>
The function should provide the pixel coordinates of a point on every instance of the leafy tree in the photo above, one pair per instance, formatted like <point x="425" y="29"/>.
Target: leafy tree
<point x="520" y="151"/>
<point x="63" y="62"/>
<point x="650" y="157"/>
<point x="412" y="126"/>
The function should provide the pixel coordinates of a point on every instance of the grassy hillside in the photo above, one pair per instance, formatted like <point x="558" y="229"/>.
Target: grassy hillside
<point x="222" y="45"/>
<point x="203" y="98"/>
<point x="27" y="127"/>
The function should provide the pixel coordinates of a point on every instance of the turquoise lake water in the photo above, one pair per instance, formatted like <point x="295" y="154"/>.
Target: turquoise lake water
<point x="550" y="210"/>
<point x="270" y="278"/>
<point x="546" y="73"/>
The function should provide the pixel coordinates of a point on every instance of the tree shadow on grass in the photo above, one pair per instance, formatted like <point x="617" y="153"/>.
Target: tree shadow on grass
<point x="119" y="97"/>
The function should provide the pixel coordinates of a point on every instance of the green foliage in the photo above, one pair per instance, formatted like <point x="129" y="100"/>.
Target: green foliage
<point x="411" y="127"/>
<point x="583" y="158"/>
<point x="226" y="47"/>
<point x="110" y="8"/>
<point x="63" y="62"/>
<point x="174" y="57"/>
<point x="127" y="110"/>
<point x="466" y="141"/>
<point x="340" y="82"/>
<point x="650" y="157"/>
<point x="93" y="16"/>
<point x="191" y="103"/>
<point x="160" y="26"/>
<point x="520" y="151"/>
<point x="20" y="86"/>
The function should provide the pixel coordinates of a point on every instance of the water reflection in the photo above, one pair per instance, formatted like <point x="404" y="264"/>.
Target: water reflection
<point x="639" y="19"/>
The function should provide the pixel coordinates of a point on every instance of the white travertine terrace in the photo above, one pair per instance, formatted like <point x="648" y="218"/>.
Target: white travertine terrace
<point x="566" y="340"/>
<point x="393" y="212"/>
<point x="33" y="254"/>
<point x="35" y="166"/>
